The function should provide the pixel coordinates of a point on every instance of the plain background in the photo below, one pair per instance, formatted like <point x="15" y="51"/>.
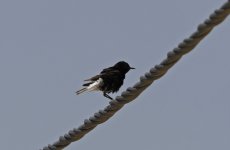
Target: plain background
<point x="48" y="47"/>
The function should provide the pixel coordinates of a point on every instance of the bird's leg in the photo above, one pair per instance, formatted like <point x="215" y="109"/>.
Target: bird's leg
<point x="107" y="96"/>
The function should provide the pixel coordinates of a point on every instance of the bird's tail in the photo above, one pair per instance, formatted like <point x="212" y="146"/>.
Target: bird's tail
<point x="91" y="86"/>
<point x="81" y="90"/>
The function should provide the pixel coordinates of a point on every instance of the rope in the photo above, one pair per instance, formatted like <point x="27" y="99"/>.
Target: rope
<point x="155" y="73"/>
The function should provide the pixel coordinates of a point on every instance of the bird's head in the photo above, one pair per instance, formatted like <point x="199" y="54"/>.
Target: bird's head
<point x="123" y="66"/>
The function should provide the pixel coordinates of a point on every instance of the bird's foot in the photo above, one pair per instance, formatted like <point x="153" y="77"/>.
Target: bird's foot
<point x="107" y="96"/>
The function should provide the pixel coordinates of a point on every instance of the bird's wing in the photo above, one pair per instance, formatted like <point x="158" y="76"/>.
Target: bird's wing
<point x="94" y="78"/>
<point x="109" y="73"/>
<point x="104" y="73"/>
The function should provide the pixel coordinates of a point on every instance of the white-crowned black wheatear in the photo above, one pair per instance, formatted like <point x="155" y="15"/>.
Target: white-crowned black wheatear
<point x="108" y="81"/>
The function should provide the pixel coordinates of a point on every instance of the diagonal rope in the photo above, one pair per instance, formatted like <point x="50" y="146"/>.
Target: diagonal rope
<point x="155" y="73"/>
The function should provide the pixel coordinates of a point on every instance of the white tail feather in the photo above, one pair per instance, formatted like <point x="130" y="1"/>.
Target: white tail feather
<point x="95" y="86"/>
<point x="81" y="91"/>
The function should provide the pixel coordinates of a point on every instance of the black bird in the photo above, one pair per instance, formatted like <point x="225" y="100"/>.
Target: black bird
<point x="108" y="81"/>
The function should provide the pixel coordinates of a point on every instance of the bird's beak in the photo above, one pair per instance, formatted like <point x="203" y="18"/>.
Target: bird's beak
<point x="132" y="68"/>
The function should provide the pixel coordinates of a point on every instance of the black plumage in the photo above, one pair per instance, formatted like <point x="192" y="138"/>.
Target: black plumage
<point x="109" y="80"/>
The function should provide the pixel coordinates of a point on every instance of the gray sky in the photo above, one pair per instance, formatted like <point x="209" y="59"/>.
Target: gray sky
<point x="48" y="47"/>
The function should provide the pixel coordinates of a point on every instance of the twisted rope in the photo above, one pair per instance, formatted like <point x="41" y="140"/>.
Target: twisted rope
<point x="155" y="73"/>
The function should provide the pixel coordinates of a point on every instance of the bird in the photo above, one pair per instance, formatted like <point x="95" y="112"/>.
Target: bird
<point x="108" y="81"/>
